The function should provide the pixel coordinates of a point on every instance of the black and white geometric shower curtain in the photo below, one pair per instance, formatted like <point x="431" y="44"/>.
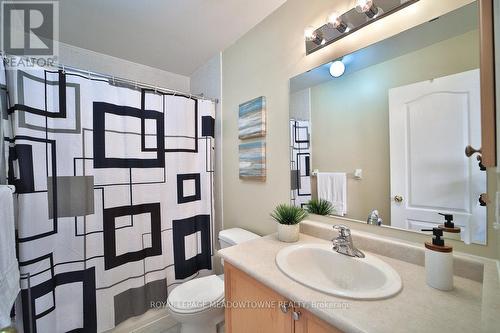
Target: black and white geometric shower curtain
<point x="115" y="202"/>
<point x="300" y="162"/>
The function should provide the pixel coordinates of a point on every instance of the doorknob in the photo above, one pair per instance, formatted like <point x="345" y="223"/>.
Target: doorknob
<point x="483" y="199"/>
<point x="469" y="151"/>
<point x="398" y="198"/>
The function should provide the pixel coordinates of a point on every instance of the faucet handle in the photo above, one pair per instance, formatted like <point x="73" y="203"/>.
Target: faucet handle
<point x="343" y="230"/>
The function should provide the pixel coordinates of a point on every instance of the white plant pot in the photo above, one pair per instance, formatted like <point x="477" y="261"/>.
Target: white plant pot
<point x="288" y="233"/>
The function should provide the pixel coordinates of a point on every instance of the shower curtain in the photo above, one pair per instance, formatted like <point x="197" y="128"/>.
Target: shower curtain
<point x="300" y="162"/>
<point x="115" y="196"/>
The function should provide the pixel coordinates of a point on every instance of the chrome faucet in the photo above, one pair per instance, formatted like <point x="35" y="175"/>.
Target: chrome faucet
<point x="374" y="218"/>
<point x="343" y="243"/>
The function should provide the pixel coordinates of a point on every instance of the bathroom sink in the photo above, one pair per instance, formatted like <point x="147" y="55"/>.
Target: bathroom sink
<point x="319" y="267"/>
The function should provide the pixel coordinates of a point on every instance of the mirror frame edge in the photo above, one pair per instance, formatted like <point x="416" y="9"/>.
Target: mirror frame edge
<point x="487" y="72"/>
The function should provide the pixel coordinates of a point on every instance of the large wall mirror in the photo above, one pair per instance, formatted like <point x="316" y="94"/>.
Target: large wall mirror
<point x="385" y="140"/>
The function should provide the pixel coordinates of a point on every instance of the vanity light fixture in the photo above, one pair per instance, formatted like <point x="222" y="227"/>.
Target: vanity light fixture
<point x="368" y="7"/>
<point x="336" y="21"/>
<point x="339" y="25"/>
<point x="337" y="68"/>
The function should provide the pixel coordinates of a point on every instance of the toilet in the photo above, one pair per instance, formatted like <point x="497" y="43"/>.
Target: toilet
<point x="198" y="304"/>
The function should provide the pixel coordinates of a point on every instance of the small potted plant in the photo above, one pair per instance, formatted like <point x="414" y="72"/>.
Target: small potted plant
<point x="320" y="207"/>
<point x="288" y="218"/>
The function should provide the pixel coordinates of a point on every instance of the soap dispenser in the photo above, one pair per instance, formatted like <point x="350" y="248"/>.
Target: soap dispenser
<point x="438" y="262"/>
<point x="448" y="225"/>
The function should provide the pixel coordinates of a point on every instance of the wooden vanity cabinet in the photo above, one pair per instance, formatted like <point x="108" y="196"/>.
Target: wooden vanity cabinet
<point x="309" y="323"/>
<point x="251" y="307"/>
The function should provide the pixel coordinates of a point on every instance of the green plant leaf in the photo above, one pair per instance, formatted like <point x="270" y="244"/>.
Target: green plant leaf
<point x="288" y="214"/>
<point x="319" y="207"/>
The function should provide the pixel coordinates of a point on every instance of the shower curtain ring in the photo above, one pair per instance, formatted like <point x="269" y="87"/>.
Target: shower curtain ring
<point x="113" y="78"/>
<point x="63" y="69"/>
<point x="89" y="76"/>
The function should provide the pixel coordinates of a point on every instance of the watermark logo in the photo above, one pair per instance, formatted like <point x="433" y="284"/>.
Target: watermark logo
<point x="30" y="30"/>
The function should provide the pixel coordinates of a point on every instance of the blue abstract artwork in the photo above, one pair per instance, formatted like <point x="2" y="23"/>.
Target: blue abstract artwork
<point x="253" y="160"/>
<point x="252" y="118"/>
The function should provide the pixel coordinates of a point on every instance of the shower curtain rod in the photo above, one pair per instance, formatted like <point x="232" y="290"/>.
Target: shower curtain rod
<point x="115" y="79"/>
<point x="137" y="84"/>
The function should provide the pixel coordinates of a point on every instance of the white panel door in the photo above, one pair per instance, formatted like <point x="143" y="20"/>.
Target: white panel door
<point x="431" y="123"/>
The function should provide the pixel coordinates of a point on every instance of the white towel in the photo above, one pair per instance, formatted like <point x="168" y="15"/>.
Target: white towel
<point x="9" y="271"/>
<point x="333" y="188"/>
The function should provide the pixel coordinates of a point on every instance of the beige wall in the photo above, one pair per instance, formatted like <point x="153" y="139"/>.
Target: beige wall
<point x="261" y="64"/>
<point x="85" y="59"/>
<point x="350" y="117"/>
<point x="300" y="105"/>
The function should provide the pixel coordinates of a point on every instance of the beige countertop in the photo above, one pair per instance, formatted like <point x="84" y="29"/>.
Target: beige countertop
<point x="417" y="308"/>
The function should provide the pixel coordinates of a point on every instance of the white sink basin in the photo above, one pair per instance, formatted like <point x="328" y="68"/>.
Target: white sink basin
<point x="319" y="267"/>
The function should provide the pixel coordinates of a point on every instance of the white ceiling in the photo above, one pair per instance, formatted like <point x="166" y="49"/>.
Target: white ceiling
<point x="174" y="35"/>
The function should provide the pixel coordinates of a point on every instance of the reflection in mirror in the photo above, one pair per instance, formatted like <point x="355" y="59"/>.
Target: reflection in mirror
<point x="3" y="116"/>
<point x="385" y="142"/>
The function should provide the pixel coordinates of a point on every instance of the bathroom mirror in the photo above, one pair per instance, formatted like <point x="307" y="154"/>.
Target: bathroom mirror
<point x="393" y="126"/>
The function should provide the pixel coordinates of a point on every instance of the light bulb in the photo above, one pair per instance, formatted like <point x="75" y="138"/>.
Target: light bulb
<point x="309" y="33"/>
<point x="364" y="5"/>
<point x="313" y="35"/>
<point x="367" y="7"/>
<point x="337" y="68"/>
<point x="335" y="20"/>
